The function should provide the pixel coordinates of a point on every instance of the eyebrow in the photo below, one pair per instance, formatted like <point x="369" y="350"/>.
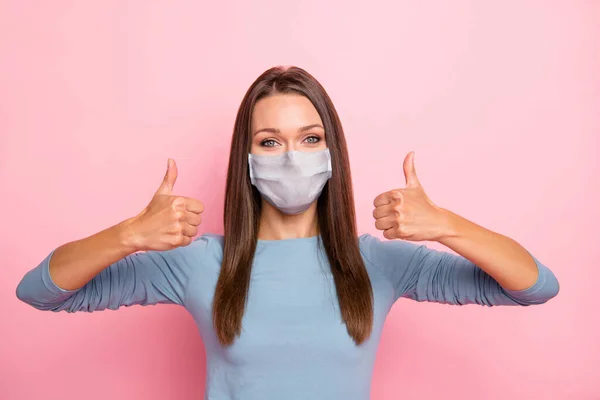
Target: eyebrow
<point x="303" y="129"/>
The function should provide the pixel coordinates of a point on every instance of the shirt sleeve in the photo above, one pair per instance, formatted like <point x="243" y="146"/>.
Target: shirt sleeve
<point x="143" y="278"/>
<point x="419" y="273"/>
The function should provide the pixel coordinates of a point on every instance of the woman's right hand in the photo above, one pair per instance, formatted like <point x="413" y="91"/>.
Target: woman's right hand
<point x="168" y="221"/>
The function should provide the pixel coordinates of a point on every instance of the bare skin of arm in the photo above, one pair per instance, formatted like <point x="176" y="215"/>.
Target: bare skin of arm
<point x="409" y="214"/>
<point x="167" y="222"/>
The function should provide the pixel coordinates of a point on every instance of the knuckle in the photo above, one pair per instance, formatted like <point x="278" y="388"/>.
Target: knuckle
<point x="402" y="231"/>
<point x="176" y="239"/>
<point x="178" y="202"/>
<point x="176" y="229"/>
<point x="396" y="195"/>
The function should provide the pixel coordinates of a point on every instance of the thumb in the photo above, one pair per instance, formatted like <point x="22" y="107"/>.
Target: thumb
<point x="410" y="174"/>
<point x="166" y="187"/>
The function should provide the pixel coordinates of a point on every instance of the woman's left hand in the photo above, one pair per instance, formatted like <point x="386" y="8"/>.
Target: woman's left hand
<point x="408" y="213"/>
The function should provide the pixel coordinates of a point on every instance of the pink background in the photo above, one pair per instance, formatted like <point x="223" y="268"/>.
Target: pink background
<point x="500" y="100"/>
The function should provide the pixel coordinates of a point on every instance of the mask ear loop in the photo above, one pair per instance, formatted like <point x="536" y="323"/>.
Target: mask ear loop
<point x="329" y="165"/>
<point x="250" y="169"/>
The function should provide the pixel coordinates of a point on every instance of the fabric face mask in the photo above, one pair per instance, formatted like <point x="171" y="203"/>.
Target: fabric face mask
<point x="291" y="181"/>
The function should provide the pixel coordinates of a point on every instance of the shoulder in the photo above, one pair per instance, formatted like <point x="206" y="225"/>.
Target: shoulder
<point x="205" y="250"/>
<point x="391" y="258"/>
<point x="384" y="253"/>
<point x="207" y="245"/>
<point x="201" y="259"/>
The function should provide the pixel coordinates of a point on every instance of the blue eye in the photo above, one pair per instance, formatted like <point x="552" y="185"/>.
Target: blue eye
<point x="268" y="143"/>
<point x="313" y="139"/>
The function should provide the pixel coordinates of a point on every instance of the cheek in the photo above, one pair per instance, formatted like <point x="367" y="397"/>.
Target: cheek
<point x="254" y="148"/>
<point x="323" y="141"/>
<point x="322" y="145"/>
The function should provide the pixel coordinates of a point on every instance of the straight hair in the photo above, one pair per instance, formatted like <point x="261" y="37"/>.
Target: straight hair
<point x="335" y="214"/>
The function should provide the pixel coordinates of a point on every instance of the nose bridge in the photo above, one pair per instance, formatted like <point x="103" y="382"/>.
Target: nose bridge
<point x="292" y="156"/>
<point x="291" y="144"/>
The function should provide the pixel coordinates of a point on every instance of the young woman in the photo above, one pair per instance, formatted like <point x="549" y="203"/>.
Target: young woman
<point x="290" y="303"/>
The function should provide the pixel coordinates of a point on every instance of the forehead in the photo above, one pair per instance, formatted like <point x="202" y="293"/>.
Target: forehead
<point x="284" y="112"/>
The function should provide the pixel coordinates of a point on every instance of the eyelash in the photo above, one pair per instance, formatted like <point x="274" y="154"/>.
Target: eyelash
<point x="318" y="139"/>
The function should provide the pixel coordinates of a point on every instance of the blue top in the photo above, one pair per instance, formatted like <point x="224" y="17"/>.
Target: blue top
<point x="294" y="344"/>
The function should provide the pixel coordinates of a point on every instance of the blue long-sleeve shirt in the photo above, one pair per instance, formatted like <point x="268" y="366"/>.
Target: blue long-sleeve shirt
<point x="294" y="344"/>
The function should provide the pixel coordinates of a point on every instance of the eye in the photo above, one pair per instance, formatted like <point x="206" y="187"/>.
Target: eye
<point x="268" y="143"/>
<point x="313" y="139"/>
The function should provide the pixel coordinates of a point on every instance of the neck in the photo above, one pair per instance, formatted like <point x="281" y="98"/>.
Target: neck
<point x="275" y="225"/>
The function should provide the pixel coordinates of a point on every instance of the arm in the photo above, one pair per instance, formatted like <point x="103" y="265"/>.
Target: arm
<point x="509" y="263"/>
<point x="490" y="268"/>
<point x="93" y="282"/>
<point x="105" y="270"/>
<point x="74" y="264"/>
<point x="423" y="274"/>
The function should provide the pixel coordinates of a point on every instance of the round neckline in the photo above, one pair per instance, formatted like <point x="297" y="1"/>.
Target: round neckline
<point x="309" y="239"/>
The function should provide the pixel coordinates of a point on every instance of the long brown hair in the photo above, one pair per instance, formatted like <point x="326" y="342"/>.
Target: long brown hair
<point x="335" y="214"/>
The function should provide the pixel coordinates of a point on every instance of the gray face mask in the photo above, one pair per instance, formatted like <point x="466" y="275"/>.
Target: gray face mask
<point x="291" y="181"/>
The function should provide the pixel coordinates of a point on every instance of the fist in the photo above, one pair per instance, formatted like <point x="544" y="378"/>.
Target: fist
<point x="408" y="213"/>
<point x="168" y="221"/>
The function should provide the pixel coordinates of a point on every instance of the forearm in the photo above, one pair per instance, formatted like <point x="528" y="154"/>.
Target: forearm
<point x="509" y="263"/>
<point x="74" y="264"/>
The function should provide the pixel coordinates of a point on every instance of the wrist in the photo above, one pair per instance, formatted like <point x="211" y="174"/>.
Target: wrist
<point x="449" y="225"/>
<point x="128" y="236"/>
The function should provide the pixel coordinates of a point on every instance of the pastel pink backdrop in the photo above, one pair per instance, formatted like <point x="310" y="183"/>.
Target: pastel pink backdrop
<point x="500" y="100"/>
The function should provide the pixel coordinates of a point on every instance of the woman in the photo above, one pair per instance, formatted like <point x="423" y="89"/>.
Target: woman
<point x="290" y="303"/>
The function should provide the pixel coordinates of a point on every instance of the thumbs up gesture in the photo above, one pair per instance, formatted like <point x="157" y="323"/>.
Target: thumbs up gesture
<point x="168" y="221"/>
<point x="408" y="213"/>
